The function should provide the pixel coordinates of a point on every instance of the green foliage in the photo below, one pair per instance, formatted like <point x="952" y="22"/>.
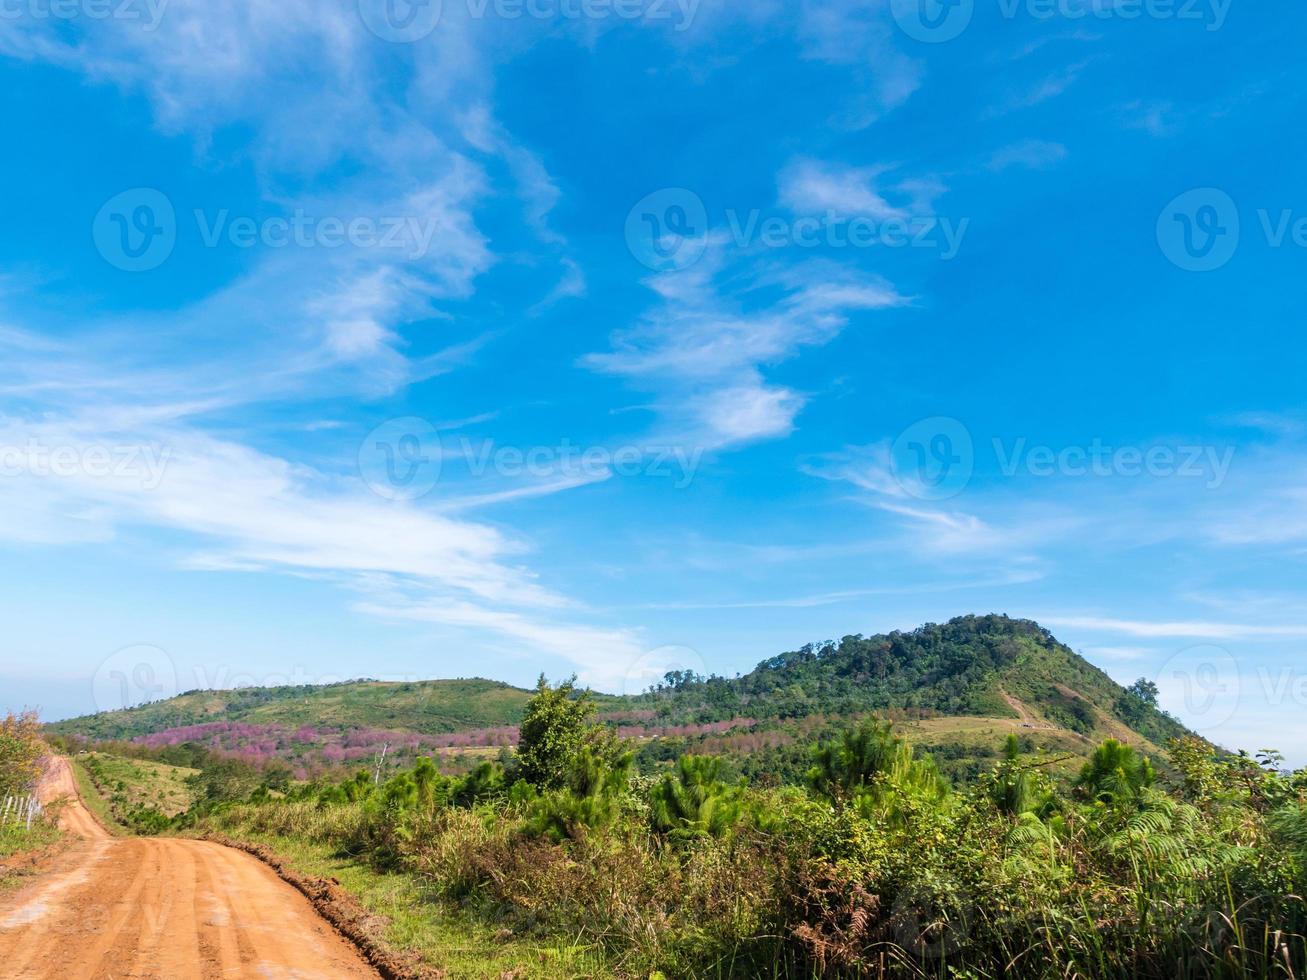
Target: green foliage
<point x="694" y="801"/>
<point x="487" y="781"/>
<point x="878" y="870"/>
<point x="591" y="799"/>
<point x="1016" y="788"/>
<point x="555" y="725"/>
<point x="1115" y="773"/>
<point x="1145" y="691"/>
<point x="874" y="769"/>
<point x="20" y="751"/>
<point x="226" y="780"/>
<point x="143" y="797"/>
<point x="969" y="666"/>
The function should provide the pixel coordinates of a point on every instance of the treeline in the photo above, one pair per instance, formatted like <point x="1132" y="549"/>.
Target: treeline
<point x="875" y="866"/>
<point x="962" y="667"/>
<point x="20" y="753"/>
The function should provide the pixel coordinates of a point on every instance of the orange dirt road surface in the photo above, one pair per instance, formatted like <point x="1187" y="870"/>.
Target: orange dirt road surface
<point x="153" y="907"/>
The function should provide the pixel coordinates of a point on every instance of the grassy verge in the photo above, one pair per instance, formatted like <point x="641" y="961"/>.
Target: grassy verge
<point x="132" y="784"/>
<point x="442" y="937"/>
<point x="141" y="795"/>
<point x="23" y="852"/>
<point x="14" y="837"/>
<point x="93" y="800"/>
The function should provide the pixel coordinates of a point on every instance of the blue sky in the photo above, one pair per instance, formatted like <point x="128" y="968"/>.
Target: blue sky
<point x="487" y="338"/>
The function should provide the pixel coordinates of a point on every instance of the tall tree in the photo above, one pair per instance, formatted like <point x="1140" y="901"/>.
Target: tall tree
<point x="555" y="725"/>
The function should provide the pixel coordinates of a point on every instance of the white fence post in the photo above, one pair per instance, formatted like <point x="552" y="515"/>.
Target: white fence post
<point x="22" y="809"/>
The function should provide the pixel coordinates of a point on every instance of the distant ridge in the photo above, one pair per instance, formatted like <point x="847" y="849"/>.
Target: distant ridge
<point x="985" y="667"/>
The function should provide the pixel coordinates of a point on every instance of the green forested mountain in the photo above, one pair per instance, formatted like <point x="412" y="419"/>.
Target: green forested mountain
<point x="990" y="666"/>
<point x="972" y="667"/>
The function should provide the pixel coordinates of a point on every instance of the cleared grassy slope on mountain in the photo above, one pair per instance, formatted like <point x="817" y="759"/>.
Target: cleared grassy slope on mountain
<point x="1012" y="672"/>
<point x="420" y="706"/>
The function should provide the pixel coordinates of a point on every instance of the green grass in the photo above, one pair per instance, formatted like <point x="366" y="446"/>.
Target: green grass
<point x="16" y="839"/>
<point x="131" y="783"/>
<point x="93" y="800"/>
<point x="444" y="937"/>
<point x="425" y="706"/>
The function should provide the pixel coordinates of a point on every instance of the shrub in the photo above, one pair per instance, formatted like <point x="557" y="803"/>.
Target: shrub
<point x="20" y="753"/>
<point x="694" y="801"/>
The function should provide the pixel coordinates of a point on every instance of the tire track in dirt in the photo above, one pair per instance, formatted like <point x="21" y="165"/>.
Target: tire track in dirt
<point x="161" y="909"/>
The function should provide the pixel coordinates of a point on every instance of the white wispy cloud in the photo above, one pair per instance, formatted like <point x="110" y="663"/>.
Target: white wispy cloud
<point x="1043" y="90"/>
<point x="860" y="37"/>
<point x="311" y="92"/>
<point x="703" y="354"/>
<point x="854" y="595"/>
<point x="248" y="510"/>
<point x="1032" y="154"/>
<point x="1156" y="117"/>
<point x="808" y="186"/>
<point x="1116" y="653"/>
<point x="94" y="464"/>
<point x="943" y="527"/>
<point x="1273" y="423"/>
<point x="1193" y="629"/>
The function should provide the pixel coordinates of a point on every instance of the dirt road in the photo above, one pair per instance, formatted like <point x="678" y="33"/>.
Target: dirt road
<point x="117" y="908"/>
